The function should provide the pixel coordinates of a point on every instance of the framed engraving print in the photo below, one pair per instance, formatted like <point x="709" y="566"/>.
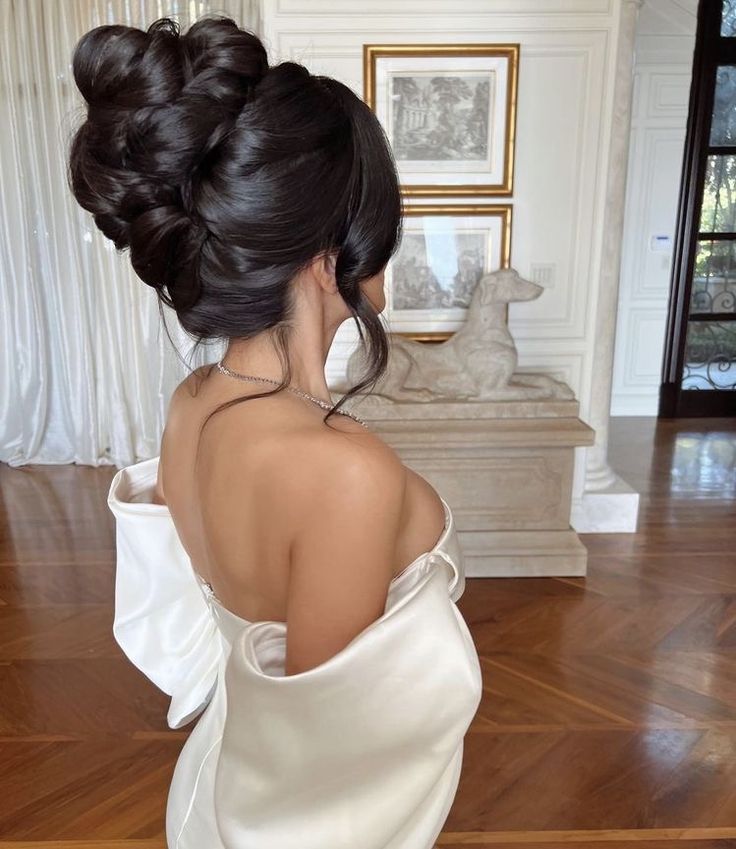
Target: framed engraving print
<point x="449" y="112"/>
<point x="444" y="251"/>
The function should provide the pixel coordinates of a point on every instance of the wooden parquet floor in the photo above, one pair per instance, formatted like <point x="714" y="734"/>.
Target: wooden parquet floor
<point x="609" y="708"/>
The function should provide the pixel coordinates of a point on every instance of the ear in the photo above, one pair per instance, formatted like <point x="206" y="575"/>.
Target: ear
<point x="323" y="267"/>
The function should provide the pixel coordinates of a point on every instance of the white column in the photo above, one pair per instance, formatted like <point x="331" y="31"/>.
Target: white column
<point x="609" y="504"/>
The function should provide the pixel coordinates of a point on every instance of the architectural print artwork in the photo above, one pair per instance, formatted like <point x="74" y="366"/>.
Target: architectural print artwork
<point x="445" y="250"/>
<point x="449" y="113"/>
<point x="442" y="118"/>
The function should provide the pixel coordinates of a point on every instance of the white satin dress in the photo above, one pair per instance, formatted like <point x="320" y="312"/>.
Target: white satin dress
<point x="363" y="751"/>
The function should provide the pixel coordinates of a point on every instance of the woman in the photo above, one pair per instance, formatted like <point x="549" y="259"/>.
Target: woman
<point x="261" y="558"/>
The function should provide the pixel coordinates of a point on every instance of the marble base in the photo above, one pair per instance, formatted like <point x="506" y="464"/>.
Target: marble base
<point x="613" y="510"/>
<point x="523" y="554"/>
<point x="375" y="407"/>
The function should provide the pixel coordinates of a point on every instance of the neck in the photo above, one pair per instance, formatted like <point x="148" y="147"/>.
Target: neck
<point x="308" y="350"/>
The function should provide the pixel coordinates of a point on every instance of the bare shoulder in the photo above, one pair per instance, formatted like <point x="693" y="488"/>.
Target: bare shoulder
<point x="185" y="395"/>
<point x="189" y="387"/>
<point x="344" y="452"/>
<point x="351" y="497"/>
<point x="179" y="415"/>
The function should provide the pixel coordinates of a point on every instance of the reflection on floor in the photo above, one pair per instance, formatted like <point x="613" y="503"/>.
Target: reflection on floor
<point x="609" y="711"/>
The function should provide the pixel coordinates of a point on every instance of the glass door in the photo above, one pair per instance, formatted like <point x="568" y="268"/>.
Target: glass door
<point x="699" y="373"/>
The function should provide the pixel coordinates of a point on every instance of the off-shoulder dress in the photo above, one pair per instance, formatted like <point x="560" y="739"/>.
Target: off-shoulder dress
<point x="363" y="751"/>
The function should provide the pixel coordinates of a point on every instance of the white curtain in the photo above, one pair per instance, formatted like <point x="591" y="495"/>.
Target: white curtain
<point x="86" y="368"/>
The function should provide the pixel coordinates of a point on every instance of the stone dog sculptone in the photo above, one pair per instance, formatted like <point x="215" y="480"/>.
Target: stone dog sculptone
<point x="477" y="363"/>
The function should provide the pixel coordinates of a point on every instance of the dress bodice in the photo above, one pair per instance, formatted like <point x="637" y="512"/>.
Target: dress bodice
<point x="397" y="699"/>
<point x="158" y="589"/>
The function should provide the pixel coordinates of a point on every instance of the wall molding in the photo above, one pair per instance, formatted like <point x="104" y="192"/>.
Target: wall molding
<point x="409" y="8"/>
<point x="661" y="95"/>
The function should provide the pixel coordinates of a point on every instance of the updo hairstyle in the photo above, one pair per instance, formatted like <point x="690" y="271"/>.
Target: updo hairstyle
<point x="225" y="177"/>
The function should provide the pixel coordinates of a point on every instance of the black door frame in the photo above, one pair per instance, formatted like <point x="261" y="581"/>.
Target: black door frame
<point x="711" y="50"/>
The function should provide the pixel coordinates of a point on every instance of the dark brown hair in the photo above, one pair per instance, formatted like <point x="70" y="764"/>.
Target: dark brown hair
<point x="225" y="176"/>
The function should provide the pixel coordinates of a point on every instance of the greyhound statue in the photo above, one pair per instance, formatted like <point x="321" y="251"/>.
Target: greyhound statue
<point x="477" y="363"/>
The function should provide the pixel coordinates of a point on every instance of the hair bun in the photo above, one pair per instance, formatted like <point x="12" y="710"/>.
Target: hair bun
<point x="216" y="46"/>
<point x="158" y="104"/>
<point x="123" y="66"/>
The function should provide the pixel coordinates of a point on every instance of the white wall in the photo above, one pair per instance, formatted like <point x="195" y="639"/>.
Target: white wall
<point x="566" y="77"/>
<point x="663" y="67"/>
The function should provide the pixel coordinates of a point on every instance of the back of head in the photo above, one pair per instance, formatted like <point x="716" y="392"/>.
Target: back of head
<point x="225" y="176"/>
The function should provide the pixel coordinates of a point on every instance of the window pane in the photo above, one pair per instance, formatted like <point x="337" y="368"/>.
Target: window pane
<point x="728" y="18"/>
<point x="714" y="281"/>
<point x="723" y="123"/>
<point x="710" y="355"/>
<point x="718" y="214"/>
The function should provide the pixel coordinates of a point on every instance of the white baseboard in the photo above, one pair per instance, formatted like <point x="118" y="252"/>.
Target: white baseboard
<point x="635" y="405"/>
<point x="613" y="510"/>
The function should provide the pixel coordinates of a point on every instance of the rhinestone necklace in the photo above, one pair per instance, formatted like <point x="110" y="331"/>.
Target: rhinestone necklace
<point x="325" y="406"/>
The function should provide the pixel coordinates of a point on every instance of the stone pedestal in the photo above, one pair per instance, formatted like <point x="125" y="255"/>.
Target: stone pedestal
<point x="505" y="469"/>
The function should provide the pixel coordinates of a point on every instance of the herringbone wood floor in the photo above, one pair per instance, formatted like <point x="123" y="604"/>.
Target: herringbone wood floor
<point x="609" y="711"/>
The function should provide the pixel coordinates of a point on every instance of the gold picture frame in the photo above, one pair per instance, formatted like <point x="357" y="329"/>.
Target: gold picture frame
<point x="433" y="80"/>
<point x="444" y="250"/>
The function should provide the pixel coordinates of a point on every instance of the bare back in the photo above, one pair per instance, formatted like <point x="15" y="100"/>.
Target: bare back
<point x="238" y="510"/>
